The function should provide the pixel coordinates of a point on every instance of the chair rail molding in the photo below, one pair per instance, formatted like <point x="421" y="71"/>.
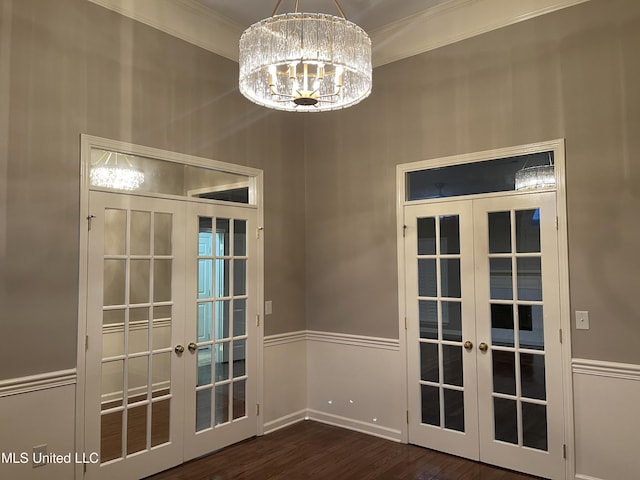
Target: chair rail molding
<point x="332" y="337"/>
<point x="354" y="340"/>
<point x="41" y="381"/>
<point x="627" y="371"/>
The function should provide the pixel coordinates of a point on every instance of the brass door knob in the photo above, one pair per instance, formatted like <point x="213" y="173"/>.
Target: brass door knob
<point x="179" y="349"/>
<point x="468" y="345"/>
<point x="483" y="347"/>
<point x="192" y="347"/>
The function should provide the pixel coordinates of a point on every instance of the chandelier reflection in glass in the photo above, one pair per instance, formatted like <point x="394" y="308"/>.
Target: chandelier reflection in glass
<point x="541" y="176"/>
<point x="115" y="170"/>
<point x="305" y="62"/>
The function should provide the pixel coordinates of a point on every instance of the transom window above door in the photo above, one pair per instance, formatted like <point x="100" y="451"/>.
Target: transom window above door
<point x="521" y="172"/>
<point x="120" y="171"/>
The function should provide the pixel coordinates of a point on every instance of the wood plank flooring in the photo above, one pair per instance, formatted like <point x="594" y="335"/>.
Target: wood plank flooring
<point x="311" y="450"/>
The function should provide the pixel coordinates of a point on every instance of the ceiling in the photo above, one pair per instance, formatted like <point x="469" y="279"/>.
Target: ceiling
<point x="368" y="14"/>
<point x="398" y="28"/>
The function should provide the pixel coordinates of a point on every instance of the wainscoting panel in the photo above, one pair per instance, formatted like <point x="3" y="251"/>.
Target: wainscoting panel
<point x="355" y="382"/>
<point x="285" y="380"/>
<point x="607" y="420"/>
<point x="38" y="410"/>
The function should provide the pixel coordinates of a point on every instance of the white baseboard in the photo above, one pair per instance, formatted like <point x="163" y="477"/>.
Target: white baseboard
<point x="287" y="420"/>
<point x="355" y="425"/>
<point x="586" y="477"/>
<point x="336" y="421"/>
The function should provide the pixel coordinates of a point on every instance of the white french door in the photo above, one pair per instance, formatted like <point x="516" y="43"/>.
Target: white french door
<point x="221" y="388"/>
<point x="483" y="321"/>
<point x="440" y="320"/>
<point x="170" y="359"/>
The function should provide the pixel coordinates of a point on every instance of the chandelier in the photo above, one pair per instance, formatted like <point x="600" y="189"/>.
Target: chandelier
<point x="305" y="62"/>
<point x="115" y="170"/>
<point x="529" y="178"/>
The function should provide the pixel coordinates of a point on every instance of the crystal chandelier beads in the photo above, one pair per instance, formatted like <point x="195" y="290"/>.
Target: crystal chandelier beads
<point x="118" y="175"/>
<point x="119" y="178"/>
<point x="305" y="62"/>
<point x="542" y="176"/>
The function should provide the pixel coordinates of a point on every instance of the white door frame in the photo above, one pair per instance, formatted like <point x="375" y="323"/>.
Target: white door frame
<point x="558" y="148"/>
<point x="256" y="200"/>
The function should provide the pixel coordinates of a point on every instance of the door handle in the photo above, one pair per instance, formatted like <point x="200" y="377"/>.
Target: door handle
<point x="192" y="347"/>
<point x="468" y="345"/>
<point x="483" y="347"/>
<point x="179" y="349"/>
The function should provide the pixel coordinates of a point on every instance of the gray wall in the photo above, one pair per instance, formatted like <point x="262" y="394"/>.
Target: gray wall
<point x="69" y="67"/>
<point x="573" y="74"/>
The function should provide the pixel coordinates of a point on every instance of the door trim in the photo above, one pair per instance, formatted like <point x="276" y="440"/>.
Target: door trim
<point x="87" y="142"/>
<point x="558" y="148"/>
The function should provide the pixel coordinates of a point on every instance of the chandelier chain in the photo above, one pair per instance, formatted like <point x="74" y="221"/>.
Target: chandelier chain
<point x="275" y="10"/>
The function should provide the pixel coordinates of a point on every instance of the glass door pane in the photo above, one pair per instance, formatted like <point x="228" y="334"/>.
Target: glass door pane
<point x="132" y="405"/>
<point x="517" y="302"/>
<point x="222" y="296"/>
<point x="516" y="290"/>
<point x="439" y="285"/>
<point x="439" y="277"/>
<point x="222" y="351"/>
<point x="137" y="321"/>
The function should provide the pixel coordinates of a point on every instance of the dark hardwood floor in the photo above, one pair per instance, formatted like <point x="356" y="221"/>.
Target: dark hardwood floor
<point x="311" y="450"/>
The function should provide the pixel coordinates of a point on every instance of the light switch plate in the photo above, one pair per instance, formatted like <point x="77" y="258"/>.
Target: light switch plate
<point x="268" y="307"/>
<point x="582" y="320"/>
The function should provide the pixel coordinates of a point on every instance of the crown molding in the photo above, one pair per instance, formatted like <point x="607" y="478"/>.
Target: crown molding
<point x="185" y="19"/>
<point x="444" y="24"/>
<point x="454" y="21"/>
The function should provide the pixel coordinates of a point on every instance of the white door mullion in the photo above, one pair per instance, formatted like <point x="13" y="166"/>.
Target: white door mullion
<point x="516" y="329"/>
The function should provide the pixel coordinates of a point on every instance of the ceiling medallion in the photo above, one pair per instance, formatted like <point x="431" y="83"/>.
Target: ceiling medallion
<point x="305" y="62"/>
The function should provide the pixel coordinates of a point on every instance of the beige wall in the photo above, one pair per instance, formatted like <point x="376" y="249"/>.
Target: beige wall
<point x="573" y="74"/>
<point x="69" y="67"/>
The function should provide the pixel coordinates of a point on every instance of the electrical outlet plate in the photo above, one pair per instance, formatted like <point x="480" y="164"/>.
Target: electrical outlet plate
<point x="582" y="320"/>
<point x="39" y="451"/>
